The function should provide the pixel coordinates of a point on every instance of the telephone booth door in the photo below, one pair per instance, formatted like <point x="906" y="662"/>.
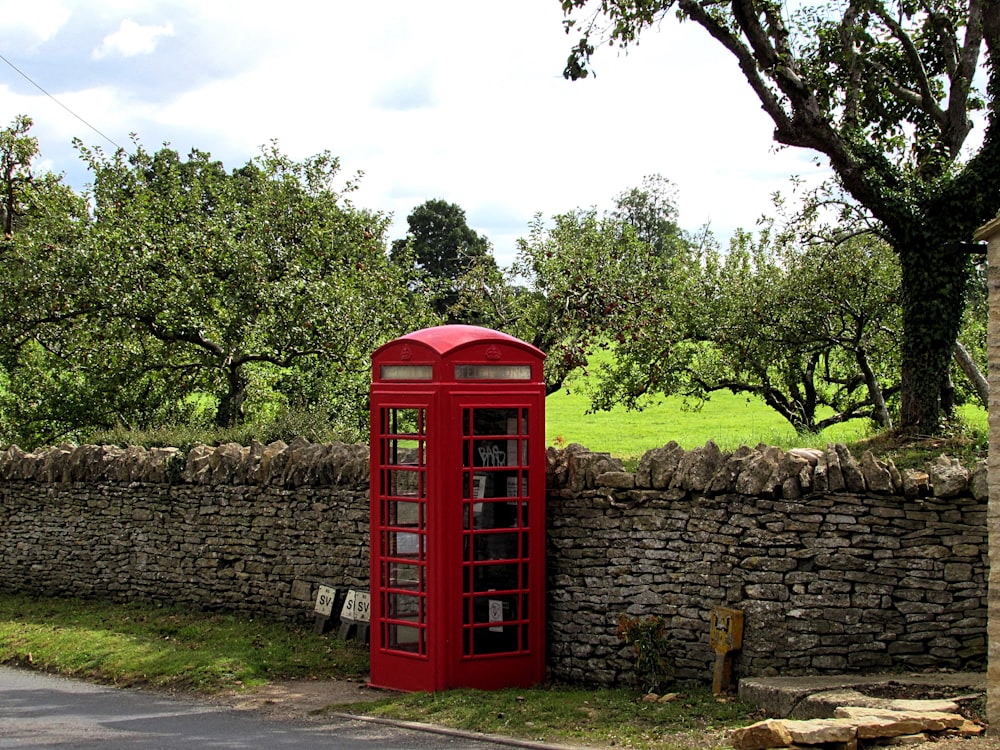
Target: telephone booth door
<point x="457" y="511"/>
<point x="400" y="545"/>
<point x="502" y="578"/>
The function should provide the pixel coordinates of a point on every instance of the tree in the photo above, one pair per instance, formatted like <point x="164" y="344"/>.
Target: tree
<point x="442" y="247"/>
<point x="217" y="282"/>
<point x="884" y="90"/>
<point x="651" y="210"/>
<point x="17" y="151"/>
<point x="799" y="328"/>
<point x="44" y="221"/>
<point x="578" y="271"/>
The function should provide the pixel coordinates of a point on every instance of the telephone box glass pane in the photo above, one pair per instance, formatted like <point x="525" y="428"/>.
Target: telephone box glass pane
<point x="406" y="372"/>
<point x="406" y="638"/>
<point x="403" y="452"/>
<point x="405" y="576"/>
<point x="404" y="607"/>
<point x="404" y="514"/>
<point x="403" y="483"/>
<point x="492" y="372"/>
<point x="490" y="422"/>
<point x="495" y="577"/>
<point x="403" y="421"/>
<point x="496" y="547"/>
<point x="406" y="544"/>
<point x="494" y="628"/>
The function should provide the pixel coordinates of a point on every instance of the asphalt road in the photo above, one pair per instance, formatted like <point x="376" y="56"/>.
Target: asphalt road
<point x="42" y="711"/>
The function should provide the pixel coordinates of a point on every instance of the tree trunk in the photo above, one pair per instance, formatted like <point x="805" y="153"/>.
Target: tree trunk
<point x="933" y="297"/>
<point x="879" y="410"/>
<point x="230" y="411"/>
<point x="968" y="366"/>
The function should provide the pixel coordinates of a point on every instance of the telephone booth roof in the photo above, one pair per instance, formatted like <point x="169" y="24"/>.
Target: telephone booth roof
<point x="454" y="353"/>
<point x="446" y="341"/>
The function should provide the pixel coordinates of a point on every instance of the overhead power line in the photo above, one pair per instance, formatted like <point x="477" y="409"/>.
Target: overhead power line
<point x="37" y="86"/>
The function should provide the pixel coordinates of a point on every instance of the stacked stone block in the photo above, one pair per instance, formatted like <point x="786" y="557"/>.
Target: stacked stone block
<point x="243" y="529"/>
<point x="839" y="565"/>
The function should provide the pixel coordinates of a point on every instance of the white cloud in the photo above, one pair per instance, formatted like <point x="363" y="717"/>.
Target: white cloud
<point x="27" y="24"/>
<point x="132" y="39"/>
<point x="450" y="99"/>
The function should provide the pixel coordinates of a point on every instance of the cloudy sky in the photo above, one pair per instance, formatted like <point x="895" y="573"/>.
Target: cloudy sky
<point x="456" y="99"/>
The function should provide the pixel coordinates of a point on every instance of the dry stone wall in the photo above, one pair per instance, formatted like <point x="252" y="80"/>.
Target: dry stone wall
<point x="839" y="565"/>
<point x="248" y="529"/>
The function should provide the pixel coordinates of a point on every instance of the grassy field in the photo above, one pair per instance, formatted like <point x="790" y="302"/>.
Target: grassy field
<point x="730" y="420"/>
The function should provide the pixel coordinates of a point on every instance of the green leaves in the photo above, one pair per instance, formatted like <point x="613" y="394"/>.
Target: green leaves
<point x="885" y="92"/>
<point x="185" y="283"/>
<point x="441" y="247"/>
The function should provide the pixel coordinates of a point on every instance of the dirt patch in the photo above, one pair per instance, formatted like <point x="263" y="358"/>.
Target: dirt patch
<point x="301" y="699"/>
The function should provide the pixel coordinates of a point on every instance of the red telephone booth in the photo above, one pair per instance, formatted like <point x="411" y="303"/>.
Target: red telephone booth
<point x="457" y="511"/>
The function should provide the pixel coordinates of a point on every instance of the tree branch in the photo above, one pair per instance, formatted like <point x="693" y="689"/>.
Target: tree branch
<point x="190" y="337"/>
<point x="925" y="98"/>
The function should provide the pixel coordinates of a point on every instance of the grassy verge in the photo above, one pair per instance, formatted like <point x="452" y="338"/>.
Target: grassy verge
<point x="166" y="647"/>
<point x="174" y="648"/>
<point x="569" y="715"/>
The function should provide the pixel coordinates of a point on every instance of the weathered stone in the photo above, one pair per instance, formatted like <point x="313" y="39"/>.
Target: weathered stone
<point x="162" y="465"/>
<point x="948" y="477"/>
<point x="822" y="731"/>
<point x="761" y="736"/>
<point x="924" y="705"/>
<point x="789" y="473"/>
<point x="620" y="480"/>
<point x="656" y="467"/>
<point x="583" y="467"/>
<point x="970" y="729"/>
<point x="897" y="478"/>
<point x="226" y="462"/>
<point x="272" y="463"/>
<point x="696" y="468"/>
<point x="979" y="482"/>
<point x="726" y="475"/>
<point x="821" y="475"/>
<point x="853" y="478"/>
<point x="757" y="472"/>
<point x="916" y="483"/>
<point x="835" y="475"/>
<point x="302" y="591"/>
<point x="884" y="722"/>
<point x="198" y="466"/>
<point x="877" y="477"/>
<point x="791" y="489"/>
<point x="812" y="456"/>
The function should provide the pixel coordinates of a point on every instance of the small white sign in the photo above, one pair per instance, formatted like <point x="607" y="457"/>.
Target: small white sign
<point x="363" y="606"/>
<point x="496" y="614"/>
<point x="357" y="606"/>
<point x="324" y="600"/>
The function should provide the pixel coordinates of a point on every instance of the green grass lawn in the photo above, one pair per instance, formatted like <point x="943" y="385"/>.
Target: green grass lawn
<point x="170" y="647"/>
<point x="730" y="420"/>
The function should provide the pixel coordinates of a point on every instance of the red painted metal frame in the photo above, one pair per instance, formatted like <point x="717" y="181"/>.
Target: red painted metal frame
<point x="457" y="522"/>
